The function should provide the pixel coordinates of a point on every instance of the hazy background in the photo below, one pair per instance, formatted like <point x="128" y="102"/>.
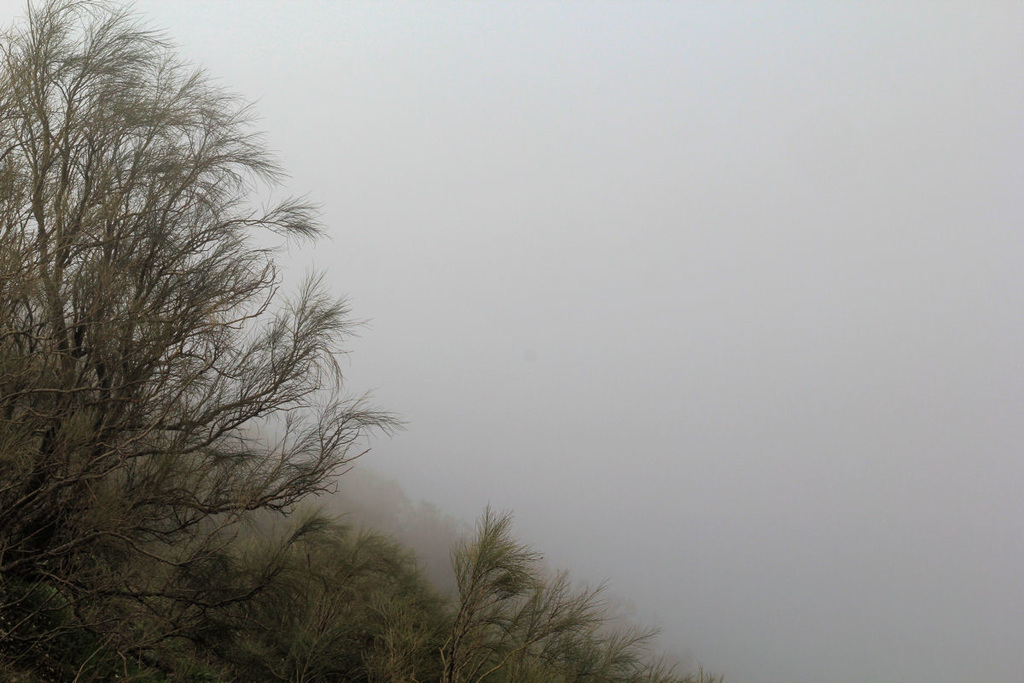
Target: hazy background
<point x="725" y="300"/>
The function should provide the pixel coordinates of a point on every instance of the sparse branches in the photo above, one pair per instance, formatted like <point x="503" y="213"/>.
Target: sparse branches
<point x="143" y="350"/>
<point x="515" y="622"/>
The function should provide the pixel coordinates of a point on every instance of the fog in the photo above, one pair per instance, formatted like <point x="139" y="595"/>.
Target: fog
<point x="724" y="300"/>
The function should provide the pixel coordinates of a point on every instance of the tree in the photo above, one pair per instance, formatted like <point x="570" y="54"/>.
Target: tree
<point x="514" y="622"/>
<point x="344" y="606"/>
<point x="155" y="389"/>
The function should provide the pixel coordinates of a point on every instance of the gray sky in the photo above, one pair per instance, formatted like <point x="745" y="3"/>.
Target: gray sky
<point x="724" y="299"/>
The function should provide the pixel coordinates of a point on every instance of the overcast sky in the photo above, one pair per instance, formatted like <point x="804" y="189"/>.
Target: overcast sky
<point x="725" y="300"/>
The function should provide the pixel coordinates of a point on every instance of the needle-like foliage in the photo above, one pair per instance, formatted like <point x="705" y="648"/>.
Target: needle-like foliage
<point x="338" y="605"/>
<point x="154" y="388"/>
<point x="515" y="622"/>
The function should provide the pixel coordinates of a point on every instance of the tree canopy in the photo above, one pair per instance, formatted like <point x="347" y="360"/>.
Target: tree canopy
<point x="155" y="387"/>
<point x="164" y="409"/>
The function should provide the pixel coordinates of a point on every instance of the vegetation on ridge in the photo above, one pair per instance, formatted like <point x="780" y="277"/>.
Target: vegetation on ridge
<point x="164" y="412"/>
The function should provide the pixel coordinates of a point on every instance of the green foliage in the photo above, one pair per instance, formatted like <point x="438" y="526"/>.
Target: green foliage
<point x="45" y="641"/>
<point x="515" y="622"/>
<point x="145" y="355"/>
<point x="340" y="606"/>
<point x="163" y="411"/>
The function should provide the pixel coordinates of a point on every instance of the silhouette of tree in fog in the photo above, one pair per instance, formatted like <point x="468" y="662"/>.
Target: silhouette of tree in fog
<point x="162" y="406"/>
<point x="515" y="622"/>
<point x="146" y="356"/>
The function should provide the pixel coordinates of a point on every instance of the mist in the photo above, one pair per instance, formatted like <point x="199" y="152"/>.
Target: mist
<point x="723" y="300"/>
